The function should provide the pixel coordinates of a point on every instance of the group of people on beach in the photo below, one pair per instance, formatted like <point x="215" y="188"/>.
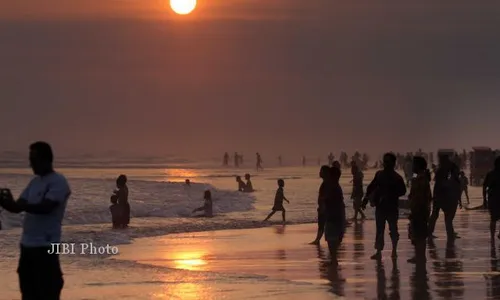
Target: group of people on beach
<point x="384" y="192"/>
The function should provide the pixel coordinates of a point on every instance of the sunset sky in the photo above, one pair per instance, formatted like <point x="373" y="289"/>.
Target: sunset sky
<point x="280" y="76"/>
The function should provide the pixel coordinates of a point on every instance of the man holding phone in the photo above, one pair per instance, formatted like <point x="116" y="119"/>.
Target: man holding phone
<point x="44" y="202"/>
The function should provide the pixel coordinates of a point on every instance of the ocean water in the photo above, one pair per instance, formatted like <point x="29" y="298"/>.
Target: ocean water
<point x="157" y="191"/>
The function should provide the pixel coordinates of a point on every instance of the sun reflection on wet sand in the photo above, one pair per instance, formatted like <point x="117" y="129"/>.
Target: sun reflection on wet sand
<point x="184" y="291"/>
<point x="192" y="261"/>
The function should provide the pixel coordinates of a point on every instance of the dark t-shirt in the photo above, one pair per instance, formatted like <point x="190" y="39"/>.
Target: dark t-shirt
<point x="492" y="184"/>
<point x="334" y="204"/>
<point x="278" y="199"/>
<point x="388" y="186"/>
<point x="357" y="185"/>
<point x="322" y="197"/>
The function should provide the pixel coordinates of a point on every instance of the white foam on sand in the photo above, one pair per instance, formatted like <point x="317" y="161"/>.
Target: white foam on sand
<point x="90" y="203"/>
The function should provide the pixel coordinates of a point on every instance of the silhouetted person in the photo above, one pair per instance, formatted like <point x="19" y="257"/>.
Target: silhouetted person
<point x="188" y="182"/>
<point x="408" y="170"/>
<point x="280" y="161"/>
<point x="491" y="196"/>
<point x="420" y="199"/>
<point x="446" y="196"/>
<point x="335" y="214"/>
<point x="384" y="192"/>
<point x="357" y="191"/>
<point x="336" y="164"/>
<point x="236" y="160"/>
<point x="278" y="201"/>
<point x="241" y="185"/>
<point x="464" y="186"/>
<point x="207" y="206"/>
<point x="44" y="202"/>
<point x="120" y="210"/>
<point x="303" y="161"/>
<point x="325" y="174"/>
<point x="248" y="185"/>
<point x="259" y="162"/>
<point x="225" y="160"/>
<point x="331" y="158"/>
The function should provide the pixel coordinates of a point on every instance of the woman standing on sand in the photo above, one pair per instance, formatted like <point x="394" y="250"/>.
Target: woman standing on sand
<point x="335" y="214"/>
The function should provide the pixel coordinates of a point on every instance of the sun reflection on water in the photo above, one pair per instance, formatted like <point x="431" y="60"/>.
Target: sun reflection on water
<point x="179" y="175"/>
<point x="193" y="261"/>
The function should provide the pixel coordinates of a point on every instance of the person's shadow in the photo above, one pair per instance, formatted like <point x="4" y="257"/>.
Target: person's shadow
<point x="419" y="283"/>
<point x="394" y="289"/>
<point x="493" y="279"/>
<point x="331" y="271"/>
<point x="450" y="286"/>
<point x="357" y="256"/>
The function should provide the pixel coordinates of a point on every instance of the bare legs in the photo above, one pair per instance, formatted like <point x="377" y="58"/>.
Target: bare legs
<point x="283" y="213"/>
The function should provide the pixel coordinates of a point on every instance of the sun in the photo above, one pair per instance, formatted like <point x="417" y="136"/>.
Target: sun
<point x="183" y="7"/>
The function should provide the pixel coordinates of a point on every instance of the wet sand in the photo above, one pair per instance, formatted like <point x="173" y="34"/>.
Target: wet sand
<point x="465" y="269"/>
<point x="277" y="263"/>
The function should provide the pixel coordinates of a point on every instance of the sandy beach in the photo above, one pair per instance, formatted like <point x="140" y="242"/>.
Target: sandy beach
<point x="276" y="262"/>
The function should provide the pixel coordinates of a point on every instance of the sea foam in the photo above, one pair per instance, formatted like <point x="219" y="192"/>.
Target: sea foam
<point x="89" y="203"/>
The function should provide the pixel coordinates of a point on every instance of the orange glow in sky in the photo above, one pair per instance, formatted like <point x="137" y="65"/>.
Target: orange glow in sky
<point x="183" y="7"/>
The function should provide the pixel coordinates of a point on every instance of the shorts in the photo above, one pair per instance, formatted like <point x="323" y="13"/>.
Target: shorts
<point x="278" y="208"/>
<point x="40" y="275"/>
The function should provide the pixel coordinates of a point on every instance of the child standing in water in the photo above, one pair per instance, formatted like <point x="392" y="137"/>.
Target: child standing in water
<point x="278" y="201"/>
<point x="207" y="207"/>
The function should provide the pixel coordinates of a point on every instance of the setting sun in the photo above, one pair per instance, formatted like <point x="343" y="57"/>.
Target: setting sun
<point x="183" y="7"/>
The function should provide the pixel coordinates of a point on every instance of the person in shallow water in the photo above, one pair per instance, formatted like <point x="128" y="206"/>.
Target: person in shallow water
<point x="357" y="190"/>
<point x="464" y="185"/>
<point x="120" y="207"/>
<point x="207" y="206"/>
<point x="420" y="199"/>
<point x="383" y="193"/>
<point x="325" y="174"/>
<point x="44" y="202"/>
<point x="248" y="185"/>
<point x="491" y="196"/>
<point x="335" y="217"/>
<point x="241" y="185"/>
<point x="278" y="202"/>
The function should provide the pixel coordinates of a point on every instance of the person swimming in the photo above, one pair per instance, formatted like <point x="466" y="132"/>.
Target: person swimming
<point x="241" y="185"/>
<point x="248" y="186"/>
<point x="207" y="206"/>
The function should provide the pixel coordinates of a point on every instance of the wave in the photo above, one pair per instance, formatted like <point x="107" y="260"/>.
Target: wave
<point x="90" y="201"/>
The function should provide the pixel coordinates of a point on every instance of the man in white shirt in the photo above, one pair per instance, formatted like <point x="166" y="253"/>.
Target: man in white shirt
<point x="44" y="202"/>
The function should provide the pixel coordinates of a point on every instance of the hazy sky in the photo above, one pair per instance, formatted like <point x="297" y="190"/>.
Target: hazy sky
<point x="280" y="76"/>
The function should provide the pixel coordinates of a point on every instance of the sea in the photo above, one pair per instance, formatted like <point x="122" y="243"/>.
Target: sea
<point x="157" y="191"/>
